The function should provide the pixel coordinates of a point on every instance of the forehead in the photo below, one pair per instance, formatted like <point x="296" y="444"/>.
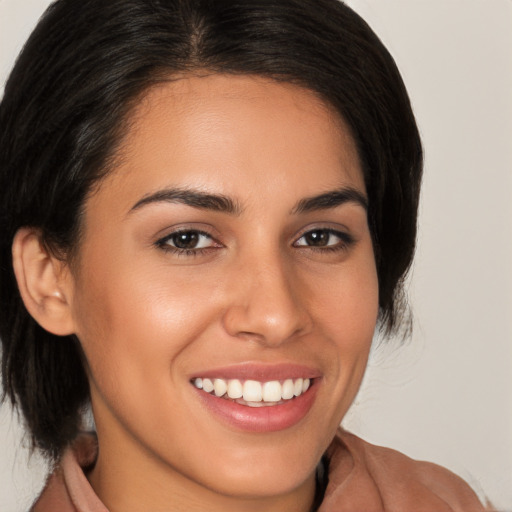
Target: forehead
<point x="227" y="133"/>
<point x="195" y="93"/>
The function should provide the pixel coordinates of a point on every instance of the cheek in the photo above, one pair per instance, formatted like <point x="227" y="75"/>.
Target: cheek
<point x="345" y="302"/>
<point x="133" y="321"/>
<point x="346" y="310"/>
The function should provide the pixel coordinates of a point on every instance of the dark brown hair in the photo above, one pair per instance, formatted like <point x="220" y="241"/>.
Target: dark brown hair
<point x="66" y="103"/>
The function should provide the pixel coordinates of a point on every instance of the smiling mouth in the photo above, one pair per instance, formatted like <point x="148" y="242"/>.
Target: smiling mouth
<point x="253" y="393"/>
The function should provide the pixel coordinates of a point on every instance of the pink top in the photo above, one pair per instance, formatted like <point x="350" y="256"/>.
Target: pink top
<point x="362" y="478"/>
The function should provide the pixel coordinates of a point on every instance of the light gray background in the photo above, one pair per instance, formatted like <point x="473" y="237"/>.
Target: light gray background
<point x="446" y="395"/>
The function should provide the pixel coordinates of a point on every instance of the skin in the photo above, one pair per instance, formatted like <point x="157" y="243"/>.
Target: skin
<point x="149" y="318"/>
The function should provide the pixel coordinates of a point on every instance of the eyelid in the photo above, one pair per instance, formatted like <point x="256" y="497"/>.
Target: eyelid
<point x="338" y="229"/>
<point x="198" y="227"/>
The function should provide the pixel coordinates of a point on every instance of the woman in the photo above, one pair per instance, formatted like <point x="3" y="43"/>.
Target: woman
<point x="207" y="209"/>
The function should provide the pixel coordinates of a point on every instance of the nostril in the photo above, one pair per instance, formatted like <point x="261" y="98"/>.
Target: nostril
<point x="267" y="304"/>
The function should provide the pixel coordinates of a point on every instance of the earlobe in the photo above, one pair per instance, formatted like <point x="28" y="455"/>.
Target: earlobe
<point x="43" y="281"/>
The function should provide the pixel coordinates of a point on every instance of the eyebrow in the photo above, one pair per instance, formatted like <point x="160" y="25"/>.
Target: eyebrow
<point x="193" y="198"/>
<point x="224" y="204"/>
<point x="331" y="199"/>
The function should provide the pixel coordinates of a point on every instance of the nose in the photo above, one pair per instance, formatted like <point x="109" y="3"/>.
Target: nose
<point x="268" y="303"/>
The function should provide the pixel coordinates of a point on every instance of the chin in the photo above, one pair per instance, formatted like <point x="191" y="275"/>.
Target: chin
<point x="276" y="467"/>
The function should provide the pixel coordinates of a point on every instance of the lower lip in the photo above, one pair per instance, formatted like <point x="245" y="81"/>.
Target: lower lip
<point x="261" y="419"/>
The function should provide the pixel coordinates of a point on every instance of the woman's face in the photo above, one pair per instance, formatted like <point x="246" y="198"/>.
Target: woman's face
<point x="230" y="244"/>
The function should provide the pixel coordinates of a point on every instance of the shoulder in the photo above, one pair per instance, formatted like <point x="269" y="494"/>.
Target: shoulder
<point x="67" y="488"/>
<point x="54" y="496"/>
<point x="396" y="481"/>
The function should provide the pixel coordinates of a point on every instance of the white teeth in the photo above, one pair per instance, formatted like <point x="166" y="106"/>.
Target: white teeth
<point x="207" y="385"/>
<point x="220" y="387"/>
<point x="235" y="389"/>
<point x="255" y="404"/>
<point x="288" y="389"/>
<point x="272" y="391"/>
<point x="252" y="391"/>
<point x="297" y="388"/>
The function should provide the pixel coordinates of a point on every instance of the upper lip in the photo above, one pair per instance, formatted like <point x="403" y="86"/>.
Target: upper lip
<point x="260" y="372"/>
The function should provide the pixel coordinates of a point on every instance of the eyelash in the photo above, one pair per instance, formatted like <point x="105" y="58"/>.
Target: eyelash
<point x="345" y="241"/>
<point x="163" y="243"/>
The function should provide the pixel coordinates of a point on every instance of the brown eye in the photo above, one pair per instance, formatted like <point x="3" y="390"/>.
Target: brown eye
<point x="319" y="238"/>
<point x="328" y="239"/>
<point x="185" y="240"/>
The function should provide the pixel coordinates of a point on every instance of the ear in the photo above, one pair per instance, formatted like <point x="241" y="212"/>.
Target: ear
<point x="44" y="282"/>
